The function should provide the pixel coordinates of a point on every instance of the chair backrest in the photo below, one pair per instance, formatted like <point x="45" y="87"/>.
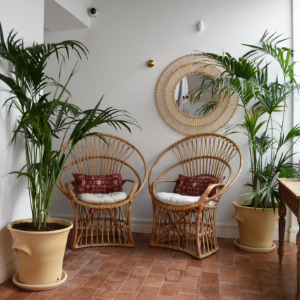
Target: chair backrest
<point x="201" y="155"/>
<point x="104" y="154"/>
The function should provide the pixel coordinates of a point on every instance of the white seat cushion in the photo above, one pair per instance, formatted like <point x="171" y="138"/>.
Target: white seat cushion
<point x="178" y="199"/>
<point x="102" y="198"/>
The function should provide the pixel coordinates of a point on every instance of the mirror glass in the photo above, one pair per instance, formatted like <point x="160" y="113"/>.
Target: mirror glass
<point x="175" y="87"/>
<point x="184" y="96"/>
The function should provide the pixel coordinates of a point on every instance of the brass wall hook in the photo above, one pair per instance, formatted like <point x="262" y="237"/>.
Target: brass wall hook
<point x="150" y="63"/>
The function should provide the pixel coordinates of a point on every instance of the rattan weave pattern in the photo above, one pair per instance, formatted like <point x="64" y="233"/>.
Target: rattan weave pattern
<point x="192" y="228"/>
<point x="103" y="224"/>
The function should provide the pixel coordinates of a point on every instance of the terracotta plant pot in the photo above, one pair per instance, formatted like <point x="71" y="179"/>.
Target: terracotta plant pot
<point x="40" y="256"/>
<point x="256" y="227"/>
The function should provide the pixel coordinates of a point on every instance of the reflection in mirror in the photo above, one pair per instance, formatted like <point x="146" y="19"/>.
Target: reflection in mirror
<point x="188" y="101"/>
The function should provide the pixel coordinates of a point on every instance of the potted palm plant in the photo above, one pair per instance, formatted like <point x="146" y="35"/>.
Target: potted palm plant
<point x="270" y="144"/>
<point x="46" y="120"/>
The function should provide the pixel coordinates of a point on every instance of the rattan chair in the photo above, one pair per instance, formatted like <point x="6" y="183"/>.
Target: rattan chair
<point x="190" y="227"/>
<point x="103" y="223"/>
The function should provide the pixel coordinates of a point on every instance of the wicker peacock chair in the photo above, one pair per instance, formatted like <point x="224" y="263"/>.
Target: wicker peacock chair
<point x="102" y="177"/>
<point x="202" y="167"/>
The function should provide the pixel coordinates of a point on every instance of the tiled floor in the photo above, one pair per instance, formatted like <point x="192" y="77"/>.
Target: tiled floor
<point x="149" y="273"/>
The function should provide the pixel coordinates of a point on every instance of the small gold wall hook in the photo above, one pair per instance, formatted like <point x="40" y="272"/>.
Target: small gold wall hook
<point x="150" y="63"/>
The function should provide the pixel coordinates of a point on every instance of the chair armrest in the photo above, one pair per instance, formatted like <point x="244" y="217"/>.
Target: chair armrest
<point x="153" y="186"/>
<point x="70" y="194"/>
<point x="204" y="197"/>
<point x="134" y="187"/>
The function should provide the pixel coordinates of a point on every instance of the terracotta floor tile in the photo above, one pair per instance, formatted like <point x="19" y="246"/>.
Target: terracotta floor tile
<point x="190" y="284"/>
<point x="41" y="295"/>
<point x="244" y="268"/>
<point x="178" y="264"/>
<point x="132" y="284"/>
<point x="86" y="272"/>
<point x="187" y="296"/>
<point x="154" y="280"/>
<point x="287" y="285"/>
<point x="247" y="282"/>
<point x="124" y="296"/>
<point x="148" y="293"/>
<point x="84" y="293"/>
<point x="95" y="281"/>
<point x="159" y="267"/>
<point x="18" y="295"/>
<point x="241" y="256"/>
<point x="229" y="297"/>
<point x="210" y="266"/>
<point x="107" y="268"/>
<point x="229" y="288"/>
<point x="163" y="297"/>
<point x="211" y="279"/>
<point x="146" y="262"/>
<point x="288" y="296"/>
<point x="227" y="262"/>
<point x="208" y="292"/>
<point x="116" y="258"/>
<point x="252" y="294"/>
<point x="140" y="271"/>
<point x="109" y="289"/>
<point x="71" y="286"/>
<point x="269" y="292"/>
<point x="60" y="296"/>
<point x="261" y="266"/>
<point x="118" y="275"/>
<point x="192" y="271"/>
<point x="174" y="275"/>
<point x="265" y="277"/>
<point x="6" y="288"/>
<point x="144" y="272"/>
<point x="228" y="274"/>
<point x="169" y="289"/>
<point x="127" y="264"/>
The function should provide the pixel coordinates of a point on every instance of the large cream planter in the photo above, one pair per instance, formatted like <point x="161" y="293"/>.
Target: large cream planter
<point x="40" y="256"/>
<point x="256" y="227"/>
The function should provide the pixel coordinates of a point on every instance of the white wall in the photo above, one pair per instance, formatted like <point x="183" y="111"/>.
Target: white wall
<point x="128" y="33"/>
<point x="28" y="20"/>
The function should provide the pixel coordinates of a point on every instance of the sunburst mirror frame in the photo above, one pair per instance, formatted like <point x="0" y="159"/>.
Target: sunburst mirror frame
<point x="172" y="114"/>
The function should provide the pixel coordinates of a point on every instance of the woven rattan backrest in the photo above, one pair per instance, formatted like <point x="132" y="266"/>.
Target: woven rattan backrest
<point x="102" y="155"/>
<point x="202" y="155"/>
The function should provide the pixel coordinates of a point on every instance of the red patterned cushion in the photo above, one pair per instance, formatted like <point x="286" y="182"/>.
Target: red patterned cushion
<point x="97" y="184"/>
<point x="195" y="186"/>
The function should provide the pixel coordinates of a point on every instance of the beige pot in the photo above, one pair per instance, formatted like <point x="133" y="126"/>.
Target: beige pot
<point x="256" y="227"/>
<point x="40" y="256"/>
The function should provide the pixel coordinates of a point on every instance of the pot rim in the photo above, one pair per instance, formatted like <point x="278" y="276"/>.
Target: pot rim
<point x="68" y="223"/>
<point x="239" y="203"/>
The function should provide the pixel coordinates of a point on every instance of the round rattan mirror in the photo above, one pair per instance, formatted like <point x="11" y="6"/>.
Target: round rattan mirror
<point x="176" y="117"/>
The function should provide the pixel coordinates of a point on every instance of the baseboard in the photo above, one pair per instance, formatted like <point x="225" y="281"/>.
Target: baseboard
<point x="8" y="268"/>
<point x="228" y="231"/>
<point x="292" y="234"/>
<point x="223" y="230"/>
